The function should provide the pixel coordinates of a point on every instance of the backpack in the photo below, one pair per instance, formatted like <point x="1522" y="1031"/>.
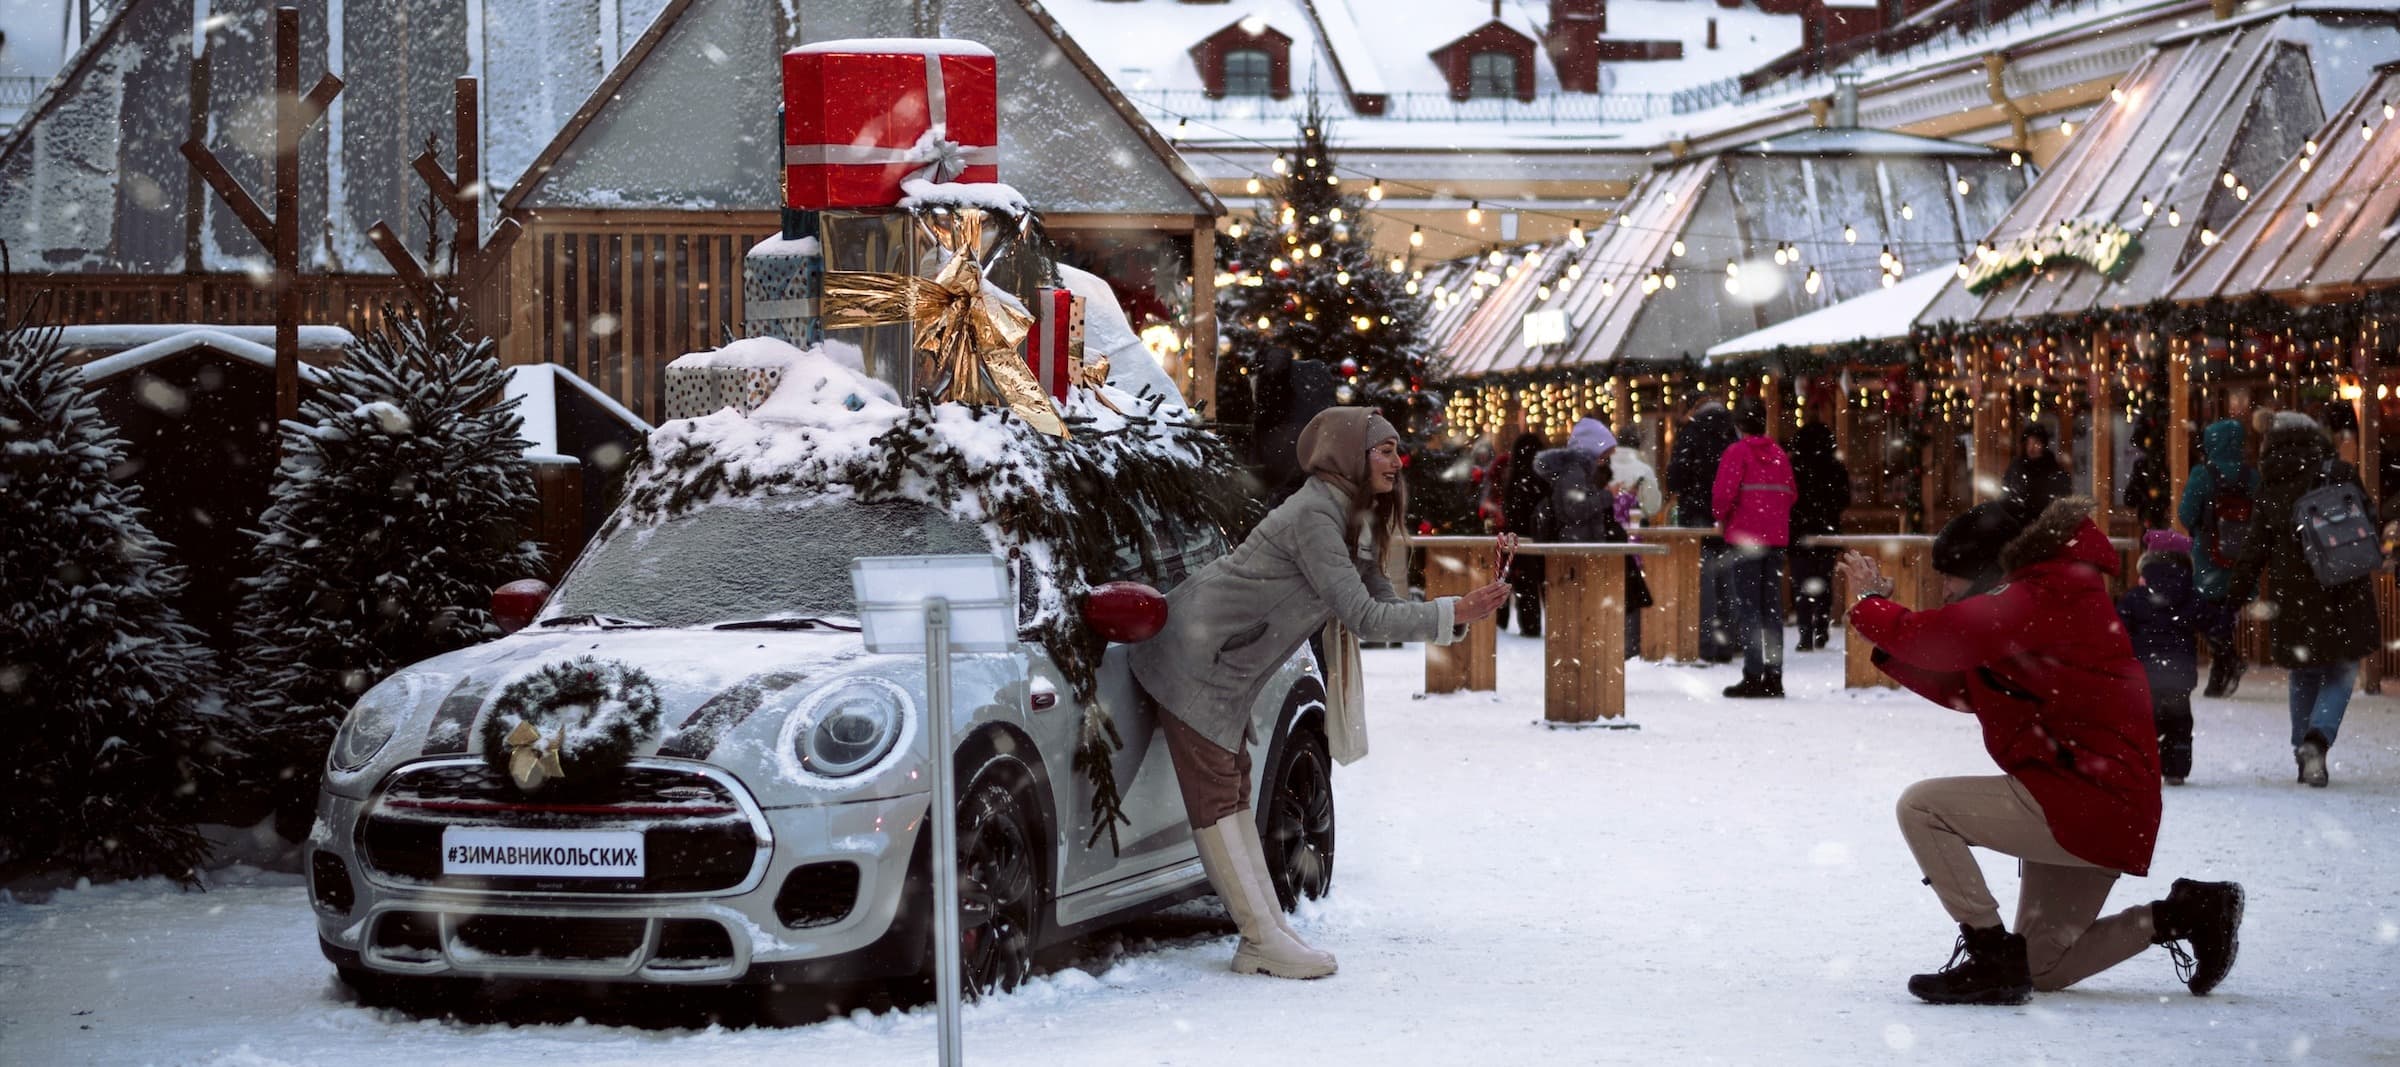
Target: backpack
<point x="2337" y="535"/>
<point x="1580" y="502"/>
<point x="2226" y="527"/>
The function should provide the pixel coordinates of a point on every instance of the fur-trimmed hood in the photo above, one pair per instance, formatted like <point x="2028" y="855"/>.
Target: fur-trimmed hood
<point x="2063" y="530"/>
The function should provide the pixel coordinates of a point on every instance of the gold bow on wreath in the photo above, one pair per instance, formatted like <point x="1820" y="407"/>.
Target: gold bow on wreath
<point x="973" y="337"/>
<point x="530" y="761"/>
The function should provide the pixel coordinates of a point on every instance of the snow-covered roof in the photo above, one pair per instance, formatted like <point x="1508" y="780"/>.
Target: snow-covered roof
<point x="688" y="120"/>
<point x="176" y="340"/>
<point x="1878" y="315"/>
<point x="1384" y="47"/>
<point x="1856" y="141"/>
<point x="536" y="386"/>
<point x="2239" y="99"/>
<point x="2353" y="242"/>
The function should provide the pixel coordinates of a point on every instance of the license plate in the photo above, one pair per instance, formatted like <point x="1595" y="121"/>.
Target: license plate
<point x="542" y="853"/>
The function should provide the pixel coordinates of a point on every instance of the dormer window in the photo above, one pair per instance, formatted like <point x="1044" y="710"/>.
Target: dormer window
<point x="1249" y="72"/>
<point x="1248" y="58"/>
<point x="1491" y="74"/>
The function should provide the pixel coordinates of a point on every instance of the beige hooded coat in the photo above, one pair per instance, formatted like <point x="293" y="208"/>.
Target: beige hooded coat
<point x="1233" y="623"/>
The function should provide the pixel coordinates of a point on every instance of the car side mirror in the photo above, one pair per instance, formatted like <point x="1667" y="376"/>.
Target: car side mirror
<point x="1125" y="612"/>
<point x="514" y="605"/>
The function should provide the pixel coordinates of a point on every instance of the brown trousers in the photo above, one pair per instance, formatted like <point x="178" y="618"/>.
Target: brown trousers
<point x="1215" y="783"/>
<point x="2060" y="895"/>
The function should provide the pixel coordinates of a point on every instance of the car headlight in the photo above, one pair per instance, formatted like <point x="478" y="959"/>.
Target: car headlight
<point x="371" y="723"/>
<point x="851" y="726"/>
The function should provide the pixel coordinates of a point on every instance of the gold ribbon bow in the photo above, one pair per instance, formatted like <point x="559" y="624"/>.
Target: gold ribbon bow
<point x="531" y="762"/>
<point x="972" y="337"/>
<point x="1092" y="376"/>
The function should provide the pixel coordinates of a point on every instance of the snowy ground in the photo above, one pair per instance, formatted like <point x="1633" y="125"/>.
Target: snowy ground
<point x="1724" y="885"/>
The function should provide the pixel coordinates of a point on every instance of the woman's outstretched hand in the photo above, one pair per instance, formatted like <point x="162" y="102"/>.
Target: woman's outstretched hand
<point x="1864" y="574"/>
<point x="1480" y="604"/>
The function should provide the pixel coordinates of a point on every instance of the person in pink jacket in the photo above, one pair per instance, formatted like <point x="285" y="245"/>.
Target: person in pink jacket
<point x="1753" y="499"/>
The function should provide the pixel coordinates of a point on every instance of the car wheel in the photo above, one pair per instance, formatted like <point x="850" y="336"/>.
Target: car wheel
<point x="1298" y="820"/>
<point x="1000" y="882"/>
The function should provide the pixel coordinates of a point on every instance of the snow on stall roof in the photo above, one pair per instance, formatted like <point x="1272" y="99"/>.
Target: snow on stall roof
<point x="940" y="46"/>
<point x="535" y="387"/>
<point x="184" y="339"/>
<point x="1876" y="315"/>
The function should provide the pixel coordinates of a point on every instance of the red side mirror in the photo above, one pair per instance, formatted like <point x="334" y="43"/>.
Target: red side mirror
<point x="514" y="605"/>
<point x="1125" y="612"/>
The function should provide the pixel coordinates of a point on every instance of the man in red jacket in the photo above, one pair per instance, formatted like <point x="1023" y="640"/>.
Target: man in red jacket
<point x="2043" y="663"/>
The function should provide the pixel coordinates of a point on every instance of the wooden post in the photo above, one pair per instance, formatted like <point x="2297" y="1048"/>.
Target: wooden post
<point x="1202" y="391"/>
<point x="2179" y="425"/>
<point x="294" y="114"/>
<point x="1456" y="566"/>
<point x="462" y="197"/>
<point x="2370" y="463"/>
<point x="2104" y="433"/>
<point x="1583" y="634"/>
<point x="1908" y="560"/>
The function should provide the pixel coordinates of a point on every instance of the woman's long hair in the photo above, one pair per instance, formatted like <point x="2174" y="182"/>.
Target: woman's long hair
<point x="1383" y="513"/>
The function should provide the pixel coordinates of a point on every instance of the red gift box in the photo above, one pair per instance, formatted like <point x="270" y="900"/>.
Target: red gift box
<point x="861" y="116"/>
<point x="1054" y="348"/>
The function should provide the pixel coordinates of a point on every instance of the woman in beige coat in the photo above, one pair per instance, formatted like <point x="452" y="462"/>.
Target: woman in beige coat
<point x="1230" y="625"/>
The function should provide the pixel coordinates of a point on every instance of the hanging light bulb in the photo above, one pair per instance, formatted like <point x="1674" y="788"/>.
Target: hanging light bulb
<point x="1182" y="126"/>
<point x="1963" y="187"/>
<point x="1676" y="249"/>
<point x="2208" y="237"/>
<point x="1263" y="323"/>
<point x="1498" y="257"/>
<point x="1811" y="283"/>
<point x="1289" y="214"/>
<point x="1277" y="264"/>
<point x="2116" y="95"/>
<point x="1541" y="292"/>
<point x="1474" y="213"/>
<point x="1416" y="237"/>
<point x="2366" y="132"/>
<point x="1734" y="286"/>
<point x="1963" y="270"/>
<point x="1733" y="269"/>
<point x="1670" y="279"/>
<point x="2241" y="192"/>
<point x="1575" y="233"/>
<point x="2066" y="127"/>
<point x="1533" y="258"/>
<point x="1888" y="279"/>
<point x="2312" y="216"/>
<point x="1312" y="162"/>
<point x="2229" y="179"/>
<point x="1315" y="250"/>
<point x="2174" y="217"/>
<point x="2016" y="159"/>
<point x="1411" y="287"/>
<point x="1608" y="289"/>
<point x="2387" y="110"/>
<point x="1575" y="271"/>
<point x="1333" y="180"/>
<point x="2307" y="164"/>
<point x="1236" y="230"/>
<point x="1341" y="277"/>
<point x="1398" y="265"/>
<point x="1907" y="212"/>
<point x="1253" y="187"/>
<point x="2149" y="207"/>
<point x="1282" y="165"/>
<point x="1849" y="233"/>
<point x="1375" y="190"/>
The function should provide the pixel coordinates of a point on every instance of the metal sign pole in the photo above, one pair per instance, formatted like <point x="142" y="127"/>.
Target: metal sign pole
<point x="944" y="819"/>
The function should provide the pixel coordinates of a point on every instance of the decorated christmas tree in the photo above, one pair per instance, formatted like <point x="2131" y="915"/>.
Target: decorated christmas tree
<point x="1308" y="280"/>
<point x="397" y="509"/>
<point x="106" y="693"/>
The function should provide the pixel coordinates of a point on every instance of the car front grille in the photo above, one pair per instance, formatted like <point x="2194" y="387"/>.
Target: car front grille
<point x="696" y="835"/>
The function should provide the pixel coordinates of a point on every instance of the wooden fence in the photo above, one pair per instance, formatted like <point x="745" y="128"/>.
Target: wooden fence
<point x="352" y="301"/>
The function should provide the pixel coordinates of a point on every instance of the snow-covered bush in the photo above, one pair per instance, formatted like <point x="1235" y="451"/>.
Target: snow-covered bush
<point x="105" y="693"/>
<point x="398" y="507"/>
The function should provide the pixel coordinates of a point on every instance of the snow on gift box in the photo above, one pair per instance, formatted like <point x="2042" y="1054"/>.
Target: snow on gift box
<point x="861" y="116"/>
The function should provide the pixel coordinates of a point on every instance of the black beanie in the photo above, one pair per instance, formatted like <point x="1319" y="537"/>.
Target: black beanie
<point x="1969" y="547"/>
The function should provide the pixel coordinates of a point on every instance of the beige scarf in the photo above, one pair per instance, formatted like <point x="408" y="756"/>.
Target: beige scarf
<point x="1334" y="447"/>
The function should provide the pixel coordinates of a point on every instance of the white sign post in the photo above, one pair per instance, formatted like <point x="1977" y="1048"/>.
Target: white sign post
<point x="938" y="605"/>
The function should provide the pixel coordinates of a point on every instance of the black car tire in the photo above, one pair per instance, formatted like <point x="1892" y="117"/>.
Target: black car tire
<point x="1002" y="887"/>
<point x="1296" y="823"/>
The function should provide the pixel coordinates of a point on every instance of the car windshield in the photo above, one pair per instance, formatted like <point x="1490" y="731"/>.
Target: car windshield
<point x="752" y="559"/>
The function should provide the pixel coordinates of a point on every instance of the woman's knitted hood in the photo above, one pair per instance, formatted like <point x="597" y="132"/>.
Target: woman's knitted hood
<point x="1334" y="446"/>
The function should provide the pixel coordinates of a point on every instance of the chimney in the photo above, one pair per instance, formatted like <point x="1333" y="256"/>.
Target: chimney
<point x="1712" y="33"/>
<point x="1845" y="99"/>
<point x="1573" y="41"/>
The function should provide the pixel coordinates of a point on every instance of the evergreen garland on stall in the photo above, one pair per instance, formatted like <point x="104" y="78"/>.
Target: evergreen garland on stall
<point x="1308" y="279"/>
<point x="1055" y="506"/>
<point x="398" y="507"/>
<point x="106" y="692"/>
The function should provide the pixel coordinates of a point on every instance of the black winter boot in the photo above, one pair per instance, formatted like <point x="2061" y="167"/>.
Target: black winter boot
<point x="2219" y="668"/>
<point x="1764" y="686"/>
<point x="1986" y="967"/>
<point x="2208" y="915"/>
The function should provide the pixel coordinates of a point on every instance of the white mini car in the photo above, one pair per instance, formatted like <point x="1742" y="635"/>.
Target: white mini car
<point x="769" y="825"/>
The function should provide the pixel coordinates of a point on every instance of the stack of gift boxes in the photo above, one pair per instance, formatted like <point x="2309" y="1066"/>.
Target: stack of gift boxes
<point x="860" y="118"/>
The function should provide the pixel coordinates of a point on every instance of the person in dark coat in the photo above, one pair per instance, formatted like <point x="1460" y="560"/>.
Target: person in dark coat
<point x="2035" y="477"/>
<point x="2148" y="489"/>
<point x="2043" y="664"/>
<point x="2220" y="483"/>
<point x="1524" y="499"/>
<point x="1700" y="443"/>
<point x="2318" y="632"/>
<point x="2163" y="619"/>
<point x="1824" y="496"/>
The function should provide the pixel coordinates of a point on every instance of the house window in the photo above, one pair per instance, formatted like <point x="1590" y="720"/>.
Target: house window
<point x="1249" y="72"/>
<point x="1491" y="74"/>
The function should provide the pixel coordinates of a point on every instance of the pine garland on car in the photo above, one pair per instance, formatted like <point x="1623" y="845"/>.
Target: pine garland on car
<point x="1057" y="507"/>
<point x="526" y="727"/>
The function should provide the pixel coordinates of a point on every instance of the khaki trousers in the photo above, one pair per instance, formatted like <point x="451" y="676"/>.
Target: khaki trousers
<point x="1215" y="783"/>
<point x="2059" y="898"/>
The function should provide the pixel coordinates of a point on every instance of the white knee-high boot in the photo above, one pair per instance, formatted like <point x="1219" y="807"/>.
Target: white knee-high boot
<point x="1236" y="865"/>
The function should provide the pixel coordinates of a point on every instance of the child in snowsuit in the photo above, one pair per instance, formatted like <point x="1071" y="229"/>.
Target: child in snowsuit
<point x="2163" y="617"/>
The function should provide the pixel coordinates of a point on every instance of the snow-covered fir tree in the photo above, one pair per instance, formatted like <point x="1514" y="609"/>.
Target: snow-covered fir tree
<point x="106" y="695"/>
<point x="398" y="507"/>
<point x="1307" y="278"/>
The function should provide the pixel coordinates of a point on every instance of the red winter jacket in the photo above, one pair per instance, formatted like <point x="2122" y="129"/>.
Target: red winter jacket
<point x="1755" y="492"/>
<point x="2044" y="663"/>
